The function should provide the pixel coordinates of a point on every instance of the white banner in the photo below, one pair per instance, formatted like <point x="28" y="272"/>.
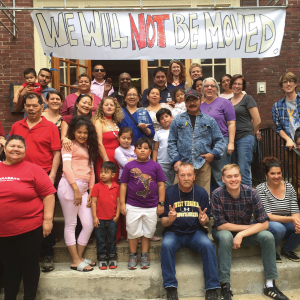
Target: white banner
<point x="161" y="34"/>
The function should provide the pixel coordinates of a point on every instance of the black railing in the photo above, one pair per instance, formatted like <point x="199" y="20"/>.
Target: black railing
<point x="272" y="144"/>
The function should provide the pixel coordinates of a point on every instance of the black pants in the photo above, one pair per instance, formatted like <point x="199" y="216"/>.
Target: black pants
<point x="20" y="258"/>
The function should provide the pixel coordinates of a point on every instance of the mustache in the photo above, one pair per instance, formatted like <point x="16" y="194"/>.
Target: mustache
<point x="187" y="181"/>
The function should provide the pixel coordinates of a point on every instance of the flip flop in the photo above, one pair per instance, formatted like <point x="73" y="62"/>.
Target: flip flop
<point x="88" y="261"/>
<point x="81" y="267"/>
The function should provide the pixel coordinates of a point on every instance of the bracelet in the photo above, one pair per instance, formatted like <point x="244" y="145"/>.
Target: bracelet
<point x="105" y="158"/>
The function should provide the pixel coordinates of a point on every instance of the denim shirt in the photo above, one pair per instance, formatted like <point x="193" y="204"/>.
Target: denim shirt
<point x="187" y="145"/>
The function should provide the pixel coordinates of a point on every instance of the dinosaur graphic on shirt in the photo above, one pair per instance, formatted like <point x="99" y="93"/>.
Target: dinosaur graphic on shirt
<point x="145" y="179"/>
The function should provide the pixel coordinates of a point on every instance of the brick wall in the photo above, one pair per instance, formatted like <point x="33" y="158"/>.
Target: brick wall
<point x="270" y="69"/>
<point x="16" y="54"/>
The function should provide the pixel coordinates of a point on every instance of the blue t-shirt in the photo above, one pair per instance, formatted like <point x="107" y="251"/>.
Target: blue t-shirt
<point x="187" y="208"/>
<point x="142" y="179"/>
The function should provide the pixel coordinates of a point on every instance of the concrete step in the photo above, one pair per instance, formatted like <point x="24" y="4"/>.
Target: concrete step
<point x="247" y="277"/>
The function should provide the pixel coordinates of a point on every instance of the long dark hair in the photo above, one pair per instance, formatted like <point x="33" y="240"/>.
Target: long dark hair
<point x="89" y="115"/>
<point x="92" y="141"/>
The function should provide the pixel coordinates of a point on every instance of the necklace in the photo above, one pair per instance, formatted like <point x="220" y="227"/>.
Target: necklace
<point x="181" y="200"/>
<point x="111" y="127"/>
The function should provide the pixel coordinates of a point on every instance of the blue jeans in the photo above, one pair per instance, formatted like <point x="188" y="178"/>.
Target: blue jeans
<point x="242" y="155"/>
<point x="106" y="239"/>
<point x="216" y="167"/>
<point x="263" y="238"/>
<point x="169" y="173"/>
<point x="197" y="241"/>
<point x="285" y="231"/>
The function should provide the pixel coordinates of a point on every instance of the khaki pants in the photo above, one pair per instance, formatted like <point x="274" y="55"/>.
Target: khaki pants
<point x="203" y="176"/>
<point x="290" y="158"/>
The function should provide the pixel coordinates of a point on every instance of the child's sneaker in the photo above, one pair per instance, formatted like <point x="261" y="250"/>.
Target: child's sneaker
<point x="132" y="262"/>
<point x="102" y="264"/>
<point x="112" y="262"/>
<point x="145" y="261"/>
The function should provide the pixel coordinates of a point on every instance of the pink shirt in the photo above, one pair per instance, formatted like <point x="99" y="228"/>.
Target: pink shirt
<point x="98" y="88"/>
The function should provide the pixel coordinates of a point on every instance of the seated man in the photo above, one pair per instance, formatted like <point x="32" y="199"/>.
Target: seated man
<point x="232" y="207"/>
<point x="186" y="213"/>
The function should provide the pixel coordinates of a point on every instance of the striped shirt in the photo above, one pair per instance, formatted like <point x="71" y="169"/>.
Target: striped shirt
<point x="282" y="207"/>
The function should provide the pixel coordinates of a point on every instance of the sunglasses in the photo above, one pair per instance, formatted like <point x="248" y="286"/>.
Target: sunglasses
<point x="99" y="70"/>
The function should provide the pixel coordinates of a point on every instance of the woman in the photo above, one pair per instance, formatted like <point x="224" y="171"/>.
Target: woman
<point x="247" y="123"/>
<point x="225" y="82"/>
<point x="223" y="112"/>
<point x="280" y="203"/>
<point x="124" y="84"/>
<point x="106" y="119"/>
<point x="54" y="101"/>
<point x="197" y="85"/>
<point x="84" y="87"/>
<point x="78" y="177"/>
<point x="135" y="116"/>
<point x="154" y="96"/>
<point x="82" y="107"/>
<point x="26" y="205"/>
<point x="176" y="75"/>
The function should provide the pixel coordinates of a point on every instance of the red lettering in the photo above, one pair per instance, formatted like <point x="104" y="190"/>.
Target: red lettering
<point x="140" y="35"/>
<point x="150" y="22"/>
<point x="159" y="19"/>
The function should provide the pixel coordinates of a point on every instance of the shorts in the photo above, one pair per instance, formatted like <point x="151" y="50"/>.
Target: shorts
<point x="140" y="221"/>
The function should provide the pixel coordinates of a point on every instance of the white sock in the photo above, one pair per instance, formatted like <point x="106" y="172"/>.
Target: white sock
<point x="269" y="283"/>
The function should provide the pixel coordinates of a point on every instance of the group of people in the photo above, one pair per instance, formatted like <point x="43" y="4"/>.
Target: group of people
<point x="181" y="153"/>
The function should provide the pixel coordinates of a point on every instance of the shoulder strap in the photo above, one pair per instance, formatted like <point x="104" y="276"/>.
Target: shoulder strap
<point x="135" y="122"/>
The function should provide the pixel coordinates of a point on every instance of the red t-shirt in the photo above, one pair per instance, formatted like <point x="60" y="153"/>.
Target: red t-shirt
<point x="2" y="133"/>
<point x="37" y="87"/>
<point x="106" y="200"/>
<point x="41" y="140"/>
<point x="22" y="185"/>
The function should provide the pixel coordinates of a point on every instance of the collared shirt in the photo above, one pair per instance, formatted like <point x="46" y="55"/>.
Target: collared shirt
<point x="164" y="96"/>
<point x="226" y="209"/>
<point x="281" y="116"/>
<point x="98" y="88"/>
<point x="187" y="145"/>
<point x="41" y="140"/>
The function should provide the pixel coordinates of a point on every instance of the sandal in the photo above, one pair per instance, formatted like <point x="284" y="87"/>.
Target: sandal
<point x="155" y="238"/>
<point x="91" y="263"/>
<point x="81" y="267"/>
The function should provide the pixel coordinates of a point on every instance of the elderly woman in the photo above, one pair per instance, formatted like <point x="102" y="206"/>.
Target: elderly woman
<point x="247" y="123"/>
<point x="280" y="203"/>
<point x="124" y="84"/>
<point x="135" y="117"/>
<point x="84" y="87"/>
<point x="176" y="75"/>
<point x="223" y="112"/>
<point x="26" y="205"/>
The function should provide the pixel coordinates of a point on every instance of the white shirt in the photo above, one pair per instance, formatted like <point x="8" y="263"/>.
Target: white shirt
<point x="161" y="136"/>
<point x="98" y="89"/>
<point x="122" y="155"/>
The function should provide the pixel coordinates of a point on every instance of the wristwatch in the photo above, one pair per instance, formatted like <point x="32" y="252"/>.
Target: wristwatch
<point x="162" y="203"/>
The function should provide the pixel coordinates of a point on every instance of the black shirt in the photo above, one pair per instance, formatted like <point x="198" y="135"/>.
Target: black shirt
<point x="193" y="120"/>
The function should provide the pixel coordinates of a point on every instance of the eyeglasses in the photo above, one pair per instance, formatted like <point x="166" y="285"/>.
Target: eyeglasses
<point x="288" y="81"/>
<point x="99" y="70"/>
<point x="191" y="100"/>
<point x="132" y="95"/>
<point x="209" y="85"/>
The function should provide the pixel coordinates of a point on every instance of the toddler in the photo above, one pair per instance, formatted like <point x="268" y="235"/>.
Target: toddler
<point x="178" y="98"/>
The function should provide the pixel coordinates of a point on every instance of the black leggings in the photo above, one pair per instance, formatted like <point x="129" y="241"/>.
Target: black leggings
<point x="19" y="256"/>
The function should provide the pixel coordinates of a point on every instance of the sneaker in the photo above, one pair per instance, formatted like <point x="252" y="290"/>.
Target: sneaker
<point x="155" y="239"/>
<point x="290" y="255"/>
<point x="278" y="258"/>
<point x="274" y="292"/>
<point x="112" y="263"/>
<point x="226" y="293"/>
<point x="48" y="264"/>
<point x="211" y="295"/>
<point x="132" y="262"/>
<point x="172" y="293"/>
<point x="145" y="261"/>
<point x="103" y="264"/>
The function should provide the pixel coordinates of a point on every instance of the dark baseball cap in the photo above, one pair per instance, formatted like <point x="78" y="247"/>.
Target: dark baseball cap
<point x="192" y="93"/>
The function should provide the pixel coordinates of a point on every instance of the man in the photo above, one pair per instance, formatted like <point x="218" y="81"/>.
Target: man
<point x="286" y="116"/>
<point x="44" y="79"/>
<point x="186" y="213"/>
<point x="160" y="80"/>
<point x="196" y="138"/>
<point x="100" y="87"/>
<point x="232" y="207"/>
<point x="43" y="148"/>
<point x="195" y="71"/>
<point x="124" y="84"/>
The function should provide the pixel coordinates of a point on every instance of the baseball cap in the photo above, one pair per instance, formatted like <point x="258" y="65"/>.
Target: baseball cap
<point x="192" y="93"/>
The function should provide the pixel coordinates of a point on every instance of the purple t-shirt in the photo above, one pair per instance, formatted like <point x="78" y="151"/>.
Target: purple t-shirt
<point x="222" y="111"/>
<point x="142" y="179"/>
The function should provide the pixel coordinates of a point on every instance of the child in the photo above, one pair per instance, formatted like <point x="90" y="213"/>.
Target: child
<point x="178" y="98"/>
<point x="124" y="153"/>
<point x="78" y="177"/>
<point x="30" y="79"/>
<point x="106" y="212"/>
<point x="143" y="181"/>
<point x="160" y="151"/>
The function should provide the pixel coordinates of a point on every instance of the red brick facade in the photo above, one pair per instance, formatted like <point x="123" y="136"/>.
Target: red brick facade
<point x="18" y="54"/>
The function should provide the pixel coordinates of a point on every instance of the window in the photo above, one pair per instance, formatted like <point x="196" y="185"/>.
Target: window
<point x="215" y="68"/>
